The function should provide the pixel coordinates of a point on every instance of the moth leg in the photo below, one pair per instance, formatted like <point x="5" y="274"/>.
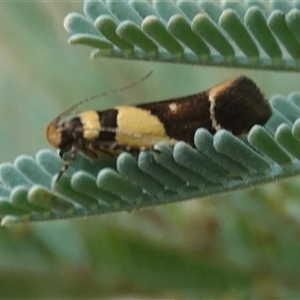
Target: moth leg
<point x="111" y="149"/>
<point x="61" y="153"/>
<point x="95" y="150"/>
<point x="156" y="150"/>
<point x="133" y="150"/>
<point x="68" y="162"/>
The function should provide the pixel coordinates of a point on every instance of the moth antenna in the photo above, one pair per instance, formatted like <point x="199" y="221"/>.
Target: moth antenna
<point x="118" y="90"/>
<point x="134" y="134"/>
<point x="115" y="130"/>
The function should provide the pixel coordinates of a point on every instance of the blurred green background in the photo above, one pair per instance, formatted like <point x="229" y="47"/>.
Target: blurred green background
<point x="240" y="245"/>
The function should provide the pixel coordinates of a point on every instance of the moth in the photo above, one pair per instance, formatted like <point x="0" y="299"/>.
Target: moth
<point x="235" y="105"/>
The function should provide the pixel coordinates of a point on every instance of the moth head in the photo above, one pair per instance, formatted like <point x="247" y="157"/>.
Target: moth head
<point x="60" y="136"/>
<point x="54" y="135"/>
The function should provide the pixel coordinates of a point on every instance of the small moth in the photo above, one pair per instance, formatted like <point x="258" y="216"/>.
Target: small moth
<point x="235" y="105"/>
